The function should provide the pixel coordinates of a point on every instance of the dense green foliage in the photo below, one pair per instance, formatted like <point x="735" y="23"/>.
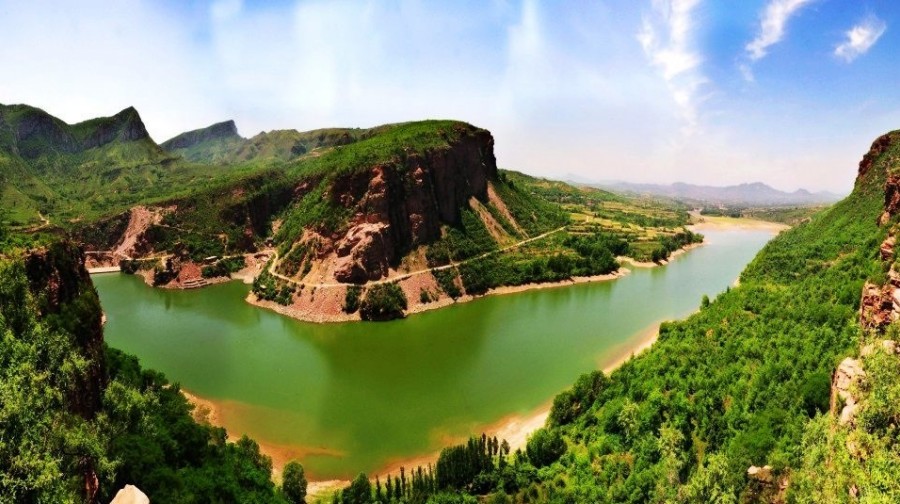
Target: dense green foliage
<point x="270" y="288"/>
<point x="545" y="447"/>
<point x="446" y="279"/>
<point x="42" y="443"/>
<point x="481" y="466"/>
<point x="383" y="301"/>
<point x="574" y="256"/>
<point x="672" y="243"/>
<point x="141" y="431"/>
<point x="352" y="298"/>
<point x="223" y="267"/>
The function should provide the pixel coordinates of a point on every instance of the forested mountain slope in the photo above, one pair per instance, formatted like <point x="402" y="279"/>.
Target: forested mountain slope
<point x="737" y="384"/>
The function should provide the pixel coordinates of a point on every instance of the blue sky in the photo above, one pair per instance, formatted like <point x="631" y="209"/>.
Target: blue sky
<point x="788" y="92"/>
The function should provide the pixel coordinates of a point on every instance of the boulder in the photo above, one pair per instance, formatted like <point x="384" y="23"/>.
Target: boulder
<point x="762" y="474"/>
<point x="130" y="495"/>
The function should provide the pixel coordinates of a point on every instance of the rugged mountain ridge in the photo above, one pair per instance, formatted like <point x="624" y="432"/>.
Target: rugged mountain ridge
<point x="30" y="132"/>
<point x="220" y="143"/>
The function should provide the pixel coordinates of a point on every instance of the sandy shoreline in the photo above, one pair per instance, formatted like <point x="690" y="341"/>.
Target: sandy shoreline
<point x="720" y="223"/>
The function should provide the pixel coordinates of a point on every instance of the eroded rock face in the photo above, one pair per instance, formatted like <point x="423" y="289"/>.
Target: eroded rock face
<point x="879" y="306"/>
<point x="879" y="146"/>
<point x="363" y="253"/>
<point x="891" y="198"/>
<point x="762" y="474"/>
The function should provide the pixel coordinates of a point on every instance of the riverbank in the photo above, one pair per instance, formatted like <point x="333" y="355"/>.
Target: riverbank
<point x="324" y="304"/>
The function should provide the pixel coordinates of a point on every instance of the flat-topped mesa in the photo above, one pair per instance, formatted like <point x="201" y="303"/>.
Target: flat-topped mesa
<point x="219" y="131"/>
<point x="398" y="206"/>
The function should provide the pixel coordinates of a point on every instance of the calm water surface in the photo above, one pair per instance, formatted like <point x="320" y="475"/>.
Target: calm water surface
<point x="355" y="396"/>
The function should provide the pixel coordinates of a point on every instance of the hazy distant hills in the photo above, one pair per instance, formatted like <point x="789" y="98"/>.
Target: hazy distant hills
<point x="754" y="194"/>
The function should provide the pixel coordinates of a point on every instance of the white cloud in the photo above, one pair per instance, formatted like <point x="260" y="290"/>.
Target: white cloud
<point x="772" y="26"/>
<point x="860" y="39"/>
<point x="673" y="54"/>
<point x="667" y="37"/>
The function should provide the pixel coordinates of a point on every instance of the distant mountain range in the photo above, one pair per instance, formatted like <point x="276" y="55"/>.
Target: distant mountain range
<point x="753" y="194"/>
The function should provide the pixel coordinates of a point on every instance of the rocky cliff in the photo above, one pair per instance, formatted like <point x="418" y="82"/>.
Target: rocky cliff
<point x="397" y="207"/>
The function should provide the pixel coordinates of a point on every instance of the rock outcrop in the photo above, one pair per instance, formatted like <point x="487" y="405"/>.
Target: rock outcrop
<point x="891" y="198"/>
<point x="847" y="378"/>
<point x="879" y="147"/>
<point x="887" y="249"/>
<point x="877" y="306"/>
<point x="126" y="126"/>
<point x="130" y="494"/>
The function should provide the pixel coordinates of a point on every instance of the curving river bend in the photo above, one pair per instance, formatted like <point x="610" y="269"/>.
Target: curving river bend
<point x="354" y="397"/>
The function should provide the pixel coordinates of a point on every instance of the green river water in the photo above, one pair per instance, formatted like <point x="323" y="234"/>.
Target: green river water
<point x="357" y="397"/>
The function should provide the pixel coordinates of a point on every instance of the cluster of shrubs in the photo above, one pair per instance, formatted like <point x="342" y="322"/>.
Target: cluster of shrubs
<point x="672" y="243"/>
<point x="223" y="267"/>
<point x="384" y="301"/>
<point x="269" y="288"/>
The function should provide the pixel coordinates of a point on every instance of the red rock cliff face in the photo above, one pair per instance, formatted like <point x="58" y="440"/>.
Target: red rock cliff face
<point x="879" y="146"/>
<point x="67" y="300"/>
<point x="398" y="207"/>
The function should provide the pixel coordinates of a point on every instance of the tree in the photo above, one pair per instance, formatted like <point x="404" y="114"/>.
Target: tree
<point x="545" y="447"/>
<point x="359" y="491"/>
<point x="293" y="482"/>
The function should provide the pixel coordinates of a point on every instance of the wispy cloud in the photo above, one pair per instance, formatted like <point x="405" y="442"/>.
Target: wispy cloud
<point x="860" y="39"/>
<point x="772" y="26"/>
<point x="667" y="37"/>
